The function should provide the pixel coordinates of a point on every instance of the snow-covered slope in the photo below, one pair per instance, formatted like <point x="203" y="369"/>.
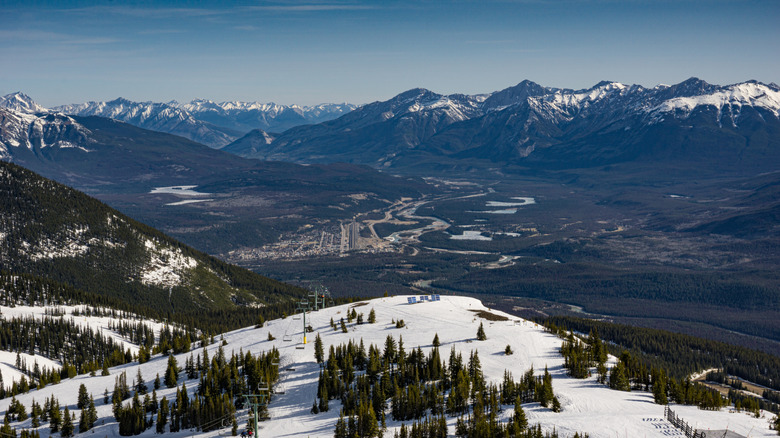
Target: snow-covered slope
<point x="21" y="102"/>
<point x="586" y="405"/>
<point x="76" y="314"/>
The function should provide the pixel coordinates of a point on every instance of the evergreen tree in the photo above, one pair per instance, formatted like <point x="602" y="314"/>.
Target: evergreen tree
<point x="172" y="372"/>
<point x="84" y="421"/>
<point x="162" y="415"/>
<point x="372" y="316"/>
<point x="140" y="385"/>
<point x="481" y="336"/>
<point x="67" y="424"/>
<point x="436" y="342"/>
<point x="55" y="416"/>
<point x="519" y="417"/>
<point x="556" y="404"/>
<point x="341" y="427"/>
<point x="659" y="387"/>
<point x="618" y="378"/>
<point x="319" y="353"/>
<point x="92" y="411"/>
<point x="7" y="430"/>
<point x="83" y="397"/>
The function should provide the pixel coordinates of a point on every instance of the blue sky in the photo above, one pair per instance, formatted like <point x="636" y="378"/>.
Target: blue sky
<point x="335" y="51"/>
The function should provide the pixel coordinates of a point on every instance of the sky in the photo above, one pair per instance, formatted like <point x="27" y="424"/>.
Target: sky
<point x="310" y="52"/>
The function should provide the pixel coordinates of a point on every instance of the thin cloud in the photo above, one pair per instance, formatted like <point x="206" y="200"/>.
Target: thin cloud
<point x="311" y="8"/>
<point x="53" y="37"/>
<point x="148" y="12"/>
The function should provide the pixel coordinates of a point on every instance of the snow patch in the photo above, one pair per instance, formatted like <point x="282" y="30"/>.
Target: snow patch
<point x="166" y="267"/>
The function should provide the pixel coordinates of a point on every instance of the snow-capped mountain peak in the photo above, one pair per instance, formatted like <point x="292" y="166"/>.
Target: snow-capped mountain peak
<point x="21" y="102"/>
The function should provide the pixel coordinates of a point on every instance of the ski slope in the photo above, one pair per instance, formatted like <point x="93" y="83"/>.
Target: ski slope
<point x="587" y="406"/>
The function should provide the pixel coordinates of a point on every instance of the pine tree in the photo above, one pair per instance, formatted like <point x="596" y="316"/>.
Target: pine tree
<point x="323" y="405"/>
<point x="436" y="342"/>
<point x="659" y="388"/>
<point x="618" y="378"/>
<point x="481" y="336"/>
<point x="172" y="373"/>
<point x="519" y="415"/>
<point x="83" y="397"/>
<point x="84" y="421"/>
<point x="556" y="404"/>
<point x="140" y="386"/>
<point x="55" y="416"/>
<point x="341" y="427"/>
<point x="92" y="411"/>
<point x="162" y="415"/>
<point x="7" y="430"/>
<point x="372" y="316"/>
<point x="319" y="353"/>
<point x="67" y="424"/>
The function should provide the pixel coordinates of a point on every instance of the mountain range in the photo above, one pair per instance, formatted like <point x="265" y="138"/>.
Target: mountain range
<point x="721" y="128"/>
<point x="204" y="121"/>
<point x="130" y="168"/>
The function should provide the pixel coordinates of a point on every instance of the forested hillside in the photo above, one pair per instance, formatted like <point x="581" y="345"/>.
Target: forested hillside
<point x="52" y="231"/>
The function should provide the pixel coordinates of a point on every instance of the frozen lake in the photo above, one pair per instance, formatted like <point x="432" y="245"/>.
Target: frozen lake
<point x="178" y="190"/>
<point x="470" y="235"/>
<point x="523" y="201"/>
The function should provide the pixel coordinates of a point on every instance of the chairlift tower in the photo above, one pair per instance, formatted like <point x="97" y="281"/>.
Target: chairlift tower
<point x="255" y="401"/>
<point x="303" y="307"/>
<point x="320" y="296"/>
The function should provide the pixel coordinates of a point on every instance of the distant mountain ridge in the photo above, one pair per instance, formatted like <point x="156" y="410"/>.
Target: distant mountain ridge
<point x="270" y="117"/>
<point x="735" y="126"/>
<point x="154" y="116"/>
<point x="210" y="123"/>
<point x="204" y="121"/>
